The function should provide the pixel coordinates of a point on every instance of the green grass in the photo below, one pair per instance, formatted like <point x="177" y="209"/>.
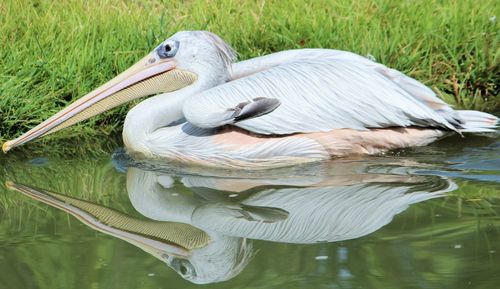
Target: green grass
<point x="53" y="52"/>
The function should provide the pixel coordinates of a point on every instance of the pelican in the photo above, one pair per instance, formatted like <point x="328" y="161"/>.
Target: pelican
<point x="288" y="107"/>
<point x="199" y="228"/>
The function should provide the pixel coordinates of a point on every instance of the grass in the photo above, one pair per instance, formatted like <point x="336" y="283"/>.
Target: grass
<point x="53" y="52"/>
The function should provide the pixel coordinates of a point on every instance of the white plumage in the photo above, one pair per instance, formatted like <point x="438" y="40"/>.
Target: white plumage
<point x="321" y="90"/>
<point x="276" y="110"/>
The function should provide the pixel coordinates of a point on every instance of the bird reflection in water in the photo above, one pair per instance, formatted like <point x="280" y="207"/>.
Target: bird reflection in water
<point x="203" y="226"/>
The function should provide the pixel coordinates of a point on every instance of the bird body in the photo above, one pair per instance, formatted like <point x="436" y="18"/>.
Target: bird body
<point x="288" y="107"/>
<point x="233" y="147"/>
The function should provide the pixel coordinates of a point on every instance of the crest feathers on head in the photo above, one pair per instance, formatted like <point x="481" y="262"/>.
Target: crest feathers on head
<point x="225" y="51"/>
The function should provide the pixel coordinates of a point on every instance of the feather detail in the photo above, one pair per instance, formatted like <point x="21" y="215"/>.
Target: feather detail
<point x="338" y="90"/>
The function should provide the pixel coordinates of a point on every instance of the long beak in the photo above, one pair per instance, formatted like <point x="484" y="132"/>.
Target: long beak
<point x="164" y="240"/>
<point x="149" y="76"/>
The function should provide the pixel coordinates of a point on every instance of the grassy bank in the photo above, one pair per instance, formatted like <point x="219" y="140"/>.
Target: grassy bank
<point x="53" y="52"/>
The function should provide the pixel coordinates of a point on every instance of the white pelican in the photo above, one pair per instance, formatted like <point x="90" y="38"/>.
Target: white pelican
<point x="199" y="228"/>
<point x="283" y="108"/>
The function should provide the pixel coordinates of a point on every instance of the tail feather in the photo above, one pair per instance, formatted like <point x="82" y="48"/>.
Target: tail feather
<point x="477" y="121"/>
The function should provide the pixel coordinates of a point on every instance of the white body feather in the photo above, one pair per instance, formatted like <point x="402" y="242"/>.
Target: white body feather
<point x="331" y="103"/>
<point x="321" y="90"/>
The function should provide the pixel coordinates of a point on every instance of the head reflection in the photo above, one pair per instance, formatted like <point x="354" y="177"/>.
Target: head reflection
<point x="203" y="227"/>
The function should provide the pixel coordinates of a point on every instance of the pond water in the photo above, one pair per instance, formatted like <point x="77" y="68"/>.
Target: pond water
<point x="421" y="218"/>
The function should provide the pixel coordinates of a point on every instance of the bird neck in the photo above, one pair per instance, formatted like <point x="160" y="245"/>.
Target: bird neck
<point x="157" y="112"/>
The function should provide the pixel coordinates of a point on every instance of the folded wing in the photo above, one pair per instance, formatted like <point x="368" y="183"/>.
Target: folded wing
<point x="317" y="91"/>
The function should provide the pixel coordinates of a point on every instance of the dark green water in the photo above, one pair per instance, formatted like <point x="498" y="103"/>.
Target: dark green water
<point x="420" y="218"/>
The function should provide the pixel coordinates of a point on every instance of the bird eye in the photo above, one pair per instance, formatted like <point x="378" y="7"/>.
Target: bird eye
<point x="183" y="270"/>
<point x="183" y="267"/>
<point x="168" y="49"/>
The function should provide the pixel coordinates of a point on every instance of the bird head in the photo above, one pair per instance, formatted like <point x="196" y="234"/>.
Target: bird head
<point x="183" y="60"/>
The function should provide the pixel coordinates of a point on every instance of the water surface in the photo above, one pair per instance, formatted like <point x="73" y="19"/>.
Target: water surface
<point x="420" y="218"/>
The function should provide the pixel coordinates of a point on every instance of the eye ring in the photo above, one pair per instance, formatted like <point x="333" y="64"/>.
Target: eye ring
<point x="168" y="49"/>
<point x="183" y="267"/>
